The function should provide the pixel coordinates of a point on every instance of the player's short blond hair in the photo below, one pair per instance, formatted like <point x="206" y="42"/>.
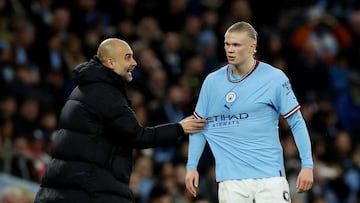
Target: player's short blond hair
<point x="243" y="27"/>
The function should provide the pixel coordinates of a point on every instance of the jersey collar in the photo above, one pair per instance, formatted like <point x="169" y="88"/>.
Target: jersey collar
<point x="242" y="77"/>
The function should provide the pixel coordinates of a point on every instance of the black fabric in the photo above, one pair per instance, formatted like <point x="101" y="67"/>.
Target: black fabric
<point x="92" y="151"/>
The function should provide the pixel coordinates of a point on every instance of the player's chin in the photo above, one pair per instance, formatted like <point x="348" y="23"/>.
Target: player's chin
<point x="232" y="64"/>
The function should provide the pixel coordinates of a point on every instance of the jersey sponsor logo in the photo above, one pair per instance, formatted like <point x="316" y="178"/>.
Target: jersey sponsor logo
<point x="228" y="117"/>
<point x="230" y="97"/>
<point x="226" y="120"/>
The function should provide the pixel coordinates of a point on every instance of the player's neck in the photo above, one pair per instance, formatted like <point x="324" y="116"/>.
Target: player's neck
<point x="243" y="68"/>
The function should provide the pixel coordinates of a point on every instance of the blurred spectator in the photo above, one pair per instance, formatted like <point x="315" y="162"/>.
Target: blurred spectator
<point x="59" y="24"/>
<point x="8" y="105"/>
<point x="50" y="40"/>
<point x="207" y="49"/>
<point x="269" y="12"/>
<point x="53" y="60"/>
<point x="310" y="67"/>
<point x="172" y="178"/>
<point x="127" y="9"/>
<point x="170" y="54"/>
<point x="156" y="86"/>
<point x="271" y="45"/>
<point x="149" y="32"/>
<point x="169" y="110"/>
<point x="91" y="40"/>
<point x="159" y="194"/>
<point x="23" y="42"/>
<point x="210" y="18"/>
<point x="38" y="153"/>
<point x="189" y="35"/>
<point x="48" y="125"/>
<point x="320" y="29"/>
<point x="6" y="148"/>
<point x="239" y="10"/>
<point x="142" y="178"/>
<point x="348" y="106"/>
<point x="25" y="121"/>
<point x="40" y="11"/>
<point x="72" y="52"/>
<point x="25" y="83"/>
<point x="21" y="164"/>
<point x="86" y="16"/>
<point x="181" y="152"/>
<point x="325" y="120"/>
<point x="173" y="15"/>
<point x="191" y="80"/>
<point x="55" y="89"/>
<point x="340" y="75"/>
<point x="354" y="50"/>
<point x="149" y="75"/>
<point x="139" y="107"/>
<point x="6" y="63"/>
<point x="343" y="188"/>
<point x="126" y="29"/>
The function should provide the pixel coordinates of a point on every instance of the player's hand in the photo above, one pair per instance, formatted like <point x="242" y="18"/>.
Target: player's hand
<point x="304" y="180"/>
<point x="192" y="181"/>
<point x="192" y="125"/>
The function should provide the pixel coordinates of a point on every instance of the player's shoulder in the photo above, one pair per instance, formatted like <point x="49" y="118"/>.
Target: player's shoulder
<point x="270" y="70"/>
<point x="218" y="72"/>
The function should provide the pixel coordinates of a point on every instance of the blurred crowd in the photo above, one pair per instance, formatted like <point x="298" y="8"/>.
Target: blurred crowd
<point x="176" y="43"/>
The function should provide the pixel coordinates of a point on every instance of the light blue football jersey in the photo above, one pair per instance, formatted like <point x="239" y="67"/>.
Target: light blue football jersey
<point x="243" y="115"/>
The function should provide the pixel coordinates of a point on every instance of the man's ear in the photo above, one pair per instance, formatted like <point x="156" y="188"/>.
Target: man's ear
<point x="109" y="62"/>
<point x="253" y="48"/>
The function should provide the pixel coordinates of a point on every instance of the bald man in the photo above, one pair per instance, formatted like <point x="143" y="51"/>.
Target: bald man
<point x="92" y="151"/>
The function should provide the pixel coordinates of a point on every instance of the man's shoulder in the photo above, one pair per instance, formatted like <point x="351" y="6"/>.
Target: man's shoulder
<point x="101" y="93"/>
<point x="218" y="72"/>
<point x="270" y="70"/>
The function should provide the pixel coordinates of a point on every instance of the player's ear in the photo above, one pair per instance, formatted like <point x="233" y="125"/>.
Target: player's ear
<point x="253" y="48"/>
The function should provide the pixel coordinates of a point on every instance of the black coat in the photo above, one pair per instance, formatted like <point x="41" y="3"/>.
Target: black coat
<point x="92" y="151"/>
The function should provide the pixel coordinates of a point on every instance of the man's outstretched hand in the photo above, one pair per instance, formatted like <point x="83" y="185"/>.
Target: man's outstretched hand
<point x="192" y="125"/>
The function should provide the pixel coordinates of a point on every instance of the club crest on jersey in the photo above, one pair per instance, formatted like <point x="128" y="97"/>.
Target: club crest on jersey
<point x="230" y="97"/>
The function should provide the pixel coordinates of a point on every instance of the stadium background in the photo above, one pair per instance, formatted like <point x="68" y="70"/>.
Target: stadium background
<point x="176" y="43"/>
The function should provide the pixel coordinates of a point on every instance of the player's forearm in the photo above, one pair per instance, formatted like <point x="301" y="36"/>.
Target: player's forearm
<point x="196" y="147"/>
<point x="302" y="139"/>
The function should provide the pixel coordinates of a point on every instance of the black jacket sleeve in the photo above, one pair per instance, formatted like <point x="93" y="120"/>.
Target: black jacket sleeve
<point x="127" y="129"/>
